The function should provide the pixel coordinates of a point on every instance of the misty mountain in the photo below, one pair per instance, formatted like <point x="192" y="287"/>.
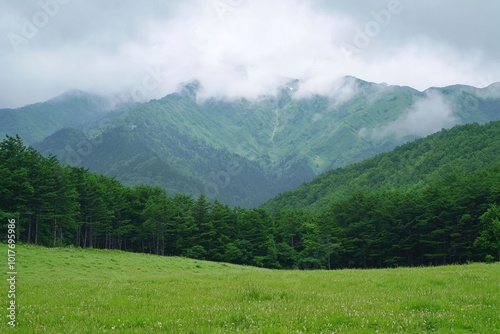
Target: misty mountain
<point x="74" y="108"/>
<point x="244" y="152"/>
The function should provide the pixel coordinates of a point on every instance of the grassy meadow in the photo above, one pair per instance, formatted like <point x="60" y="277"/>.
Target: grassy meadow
<point x="98" y="291"/>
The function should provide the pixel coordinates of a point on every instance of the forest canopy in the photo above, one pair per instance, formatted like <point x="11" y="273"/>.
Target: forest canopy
<point x="453" y="219"/>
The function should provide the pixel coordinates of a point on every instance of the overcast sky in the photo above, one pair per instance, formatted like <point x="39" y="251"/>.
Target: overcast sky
<point x="145" y="49"/>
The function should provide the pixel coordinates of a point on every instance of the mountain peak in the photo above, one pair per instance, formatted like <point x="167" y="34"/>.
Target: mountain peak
<point x="190" y="89"/>
<point x="492" y="91"/>
<point x="72" y="93"/>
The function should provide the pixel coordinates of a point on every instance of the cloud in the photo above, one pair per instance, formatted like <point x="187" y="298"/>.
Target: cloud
<point x="239" y="48"/>
<point x="427" y="115"/>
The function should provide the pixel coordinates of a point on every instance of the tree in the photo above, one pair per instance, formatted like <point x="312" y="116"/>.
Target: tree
<point x="312" y="253"/>
<point x="223" y="221"/>
<point x="156" y="216"/>
<point x="204" y="224"/>
<point x="182" y="231"/>
<point x="65" y="206"/>
<point x="489" y="239"/>
<point x="16" y="189"/>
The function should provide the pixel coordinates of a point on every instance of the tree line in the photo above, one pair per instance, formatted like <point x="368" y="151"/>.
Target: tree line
<point x="453" y="220"/>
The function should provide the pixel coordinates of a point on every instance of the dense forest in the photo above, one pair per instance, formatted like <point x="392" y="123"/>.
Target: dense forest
<point x="453" y="219"/>
<point x="408" y="167"/>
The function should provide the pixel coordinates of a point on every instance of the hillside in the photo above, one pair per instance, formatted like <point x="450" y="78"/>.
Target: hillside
<point x="186" y="144"/>
<point x="176" y="162"/>
<point x="408" y="167"/>
<point x="97" y="291"/>
<point x="71" y="109"/>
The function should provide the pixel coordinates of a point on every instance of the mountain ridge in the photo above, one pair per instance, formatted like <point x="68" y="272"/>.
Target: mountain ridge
<point x="74" y="108"/>
<point x="279" y="141"/>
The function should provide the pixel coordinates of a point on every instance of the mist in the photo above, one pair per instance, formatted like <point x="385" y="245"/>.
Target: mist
<point x="238" y="48"/>
<point x="427" y="115"/>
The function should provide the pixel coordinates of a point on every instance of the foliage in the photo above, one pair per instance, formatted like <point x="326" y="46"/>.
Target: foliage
<point x="453" y="219"/>
<point x="489" y="239"/>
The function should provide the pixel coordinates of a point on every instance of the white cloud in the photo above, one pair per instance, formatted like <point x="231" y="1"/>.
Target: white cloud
<point x="243" y="49"/>
<point x="427" y="115"/>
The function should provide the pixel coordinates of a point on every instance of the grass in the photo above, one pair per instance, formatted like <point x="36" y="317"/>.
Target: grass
<point x="98" y="291"/>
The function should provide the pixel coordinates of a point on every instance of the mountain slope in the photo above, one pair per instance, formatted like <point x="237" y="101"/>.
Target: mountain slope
<point x="278" y="131"/>
<point x="72" y="109"/>
<point x="410" y="166"/>
<point x="178" y="163"/>
<point x="278" y="141"/>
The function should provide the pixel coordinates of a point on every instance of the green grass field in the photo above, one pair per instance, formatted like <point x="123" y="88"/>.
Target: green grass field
<point x="98" y="291"/>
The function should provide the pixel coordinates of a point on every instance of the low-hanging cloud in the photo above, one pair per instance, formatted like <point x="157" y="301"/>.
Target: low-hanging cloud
<point x="234" y="48"/>
<point x="427" y="115"/>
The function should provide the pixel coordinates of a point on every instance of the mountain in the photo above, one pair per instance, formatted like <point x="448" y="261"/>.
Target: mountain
<point x="169" y="159"/>
<point x="243" y="152"/>
<point x="72" y="109"/>
<point x="409" y="167"/>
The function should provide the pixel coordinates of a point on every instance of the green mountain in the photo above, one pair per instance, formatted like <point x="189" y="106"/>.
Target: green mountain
<point x="174" y="161"/>
<point x="72" y="109"/>
<point x="409" y="167"/>
<point x="244" y="152"/>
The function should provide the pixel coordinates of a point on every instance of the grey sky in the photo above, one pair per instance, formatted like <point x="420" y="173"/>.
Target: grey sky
<point x="145" y="49"/>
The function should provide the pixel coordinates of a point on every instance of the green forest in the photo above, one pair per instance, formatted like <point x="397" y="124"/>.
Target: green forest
<point x="452" y="217"/>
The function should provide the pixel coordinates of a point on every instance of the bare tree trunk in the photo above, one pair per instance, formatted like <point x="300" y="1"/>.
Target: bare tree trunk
<point x="78" y="238"/>
<point x="90" y="236"/>
<point x="55" y="233"/>
<point x="29" y="228"/>
<point x="36" y="230"/>
<point x="85" y="236"/>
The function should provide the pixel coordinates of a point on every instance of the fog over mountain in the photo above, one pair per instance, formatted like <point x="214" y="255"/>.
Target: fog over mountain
<point x="427" y="115"/>
<point x="241" y="48"/>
